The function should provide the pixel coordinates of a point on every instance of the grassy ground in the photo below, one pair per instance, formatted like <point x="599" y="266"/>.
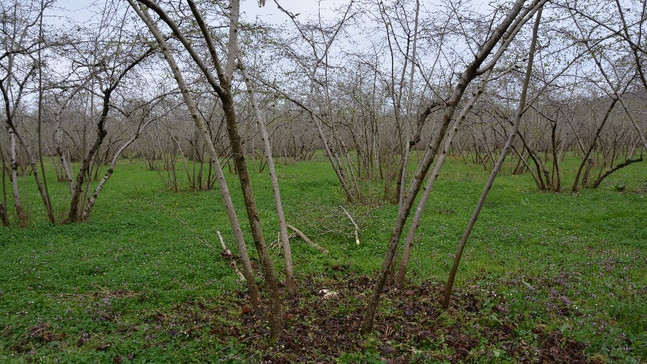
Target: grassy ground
<point x="138" y="283"/>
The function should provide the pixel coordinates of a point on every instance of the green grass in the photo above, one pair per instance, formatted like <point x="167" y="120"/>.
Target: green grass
<point x="93" y="291"/>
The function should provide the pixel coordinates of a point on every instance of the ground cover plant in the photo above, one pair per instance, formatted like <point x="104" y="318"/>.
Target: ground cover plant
<point x="546" y="277"/>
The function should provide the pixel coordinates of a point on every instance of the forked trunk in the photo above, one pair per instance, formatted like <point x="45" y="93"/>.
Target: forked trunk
<point x="511" y="136"/>
<point x="276" y="314"/>
<point x="75" y="212"/>
<point x="78" y="194"/>
<point x="471" y="71"/>
<point x="97" y="190"/>
<point x="248" y="272"/>
<point x="413" y="228"/>
<point x="587" y="155"/>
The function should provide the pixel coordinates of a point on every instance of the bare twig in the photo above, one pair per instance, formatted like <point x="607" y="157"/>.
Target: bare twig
<point x="230" y="257"/>
<point x="306" y="239"/>
<point x="354" y="224"/>
<point x="222" y="243"/>
<point x="276" y="244"/>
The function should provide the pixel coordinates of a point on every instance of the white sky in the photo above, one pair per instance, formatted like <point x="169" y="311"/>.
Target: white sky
<point x="81" y="10"/>
<point x="270" y="12"/>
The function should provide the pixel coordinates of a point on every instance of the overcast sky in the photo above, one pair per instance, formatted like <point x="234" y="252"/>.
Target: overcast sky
<point x="270" y="13"/>
<point x="80" y="11"/>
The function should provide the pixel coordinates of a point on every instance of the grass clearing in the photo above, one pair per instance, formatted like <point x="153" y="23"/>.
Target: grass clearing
<point x="541" y="270"/>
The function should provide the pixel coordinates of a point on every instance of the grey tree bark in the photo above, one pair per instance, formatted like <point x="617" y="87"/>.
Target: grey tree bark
<point x="58" y="136"/>
<point x="516" y="16"/>
<point x="415" y="223"/>
<point x="520" y="111"/>
<point x="617" y="94"/>
<point x="334" y="146"/>
<point x="248" y="271"/>
<point x="143" y="123"/>
<point x="4" y="213"/>
<point x="585" y="159"/>
<point x="12" y="88"/>
<point x="290" y="282"/>
<point x="222" y="86"/>
<point x="13" y="177"/>
<point x="13" y="84"/>
<point x="75" y="213"/>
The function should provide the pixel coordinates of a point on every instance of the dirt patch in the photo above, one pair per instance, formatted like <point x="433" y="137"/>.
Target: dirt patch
<point x="410" y="327"/>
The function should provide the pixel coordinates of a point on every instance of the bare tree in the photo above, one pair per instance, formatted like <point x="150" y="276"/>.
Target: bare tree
<point x="221" y="83"/>
<point x="515" y="18"/>
<point x="114" y="68"/>
<point x="145" y="119"/>
<point x="415" y="223"/>
<point x="318" y="104"/>
<point x="616" y="89"/>
<point x="19" y="61"/>
<point x="401" y="88"/>
<point x="248" y="271"/>
<point x="283" y="229"/>
<point x="511" y="136"/>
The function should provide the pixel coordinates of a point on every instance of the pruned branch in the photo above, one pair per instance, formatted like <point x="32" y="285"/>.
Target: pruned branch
<point x="306" y="239"/>
<point x="229" y="256"/>
<point x="354" y="224"/>
<point x="222" y="243"/>
<point x="627" y="162"/>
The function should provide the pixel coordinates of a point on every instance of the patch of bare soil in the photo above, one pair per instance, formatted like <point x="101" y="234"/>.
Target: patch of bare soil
<point x="323" y="323"/>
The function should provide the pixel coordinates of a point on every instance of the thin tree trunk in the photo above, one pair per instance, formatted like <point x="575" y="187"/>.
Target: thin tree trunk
<point x="5" y="215"/>
<point x="587" y="172"/>
<point x="556" y="182"/>
<point x="334" y="160"/>
<point x="639" y="68"/>
<point x="44" y="190"/>
<point x="332" y="157"/>
<point x="471" y="71"/>
<point x="111" y="168"/>
<point x="595" y="139"/>
<point x="617" y="96"/>
<point x="15" y="137"/>
<point x="521" y="109"/>
<point x="537" y="162"/>
<point x="276" y="314"/>
<point x="76" y="208"/>
<point x="339" y="158"/>
<point x="44" y="194"/>
<point x="13" y="177"/>
<point x="627" y="162"/>
<point x="184" y="159"/>
<point x="74" y="214"/>
<point x="248" y="272"/>
<point x="60" y="151"/>
<point x="285" y="239"/>
<point x="641" y="134"/>
<point x="397" y="106"/>
<point x="406" y="250"/>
